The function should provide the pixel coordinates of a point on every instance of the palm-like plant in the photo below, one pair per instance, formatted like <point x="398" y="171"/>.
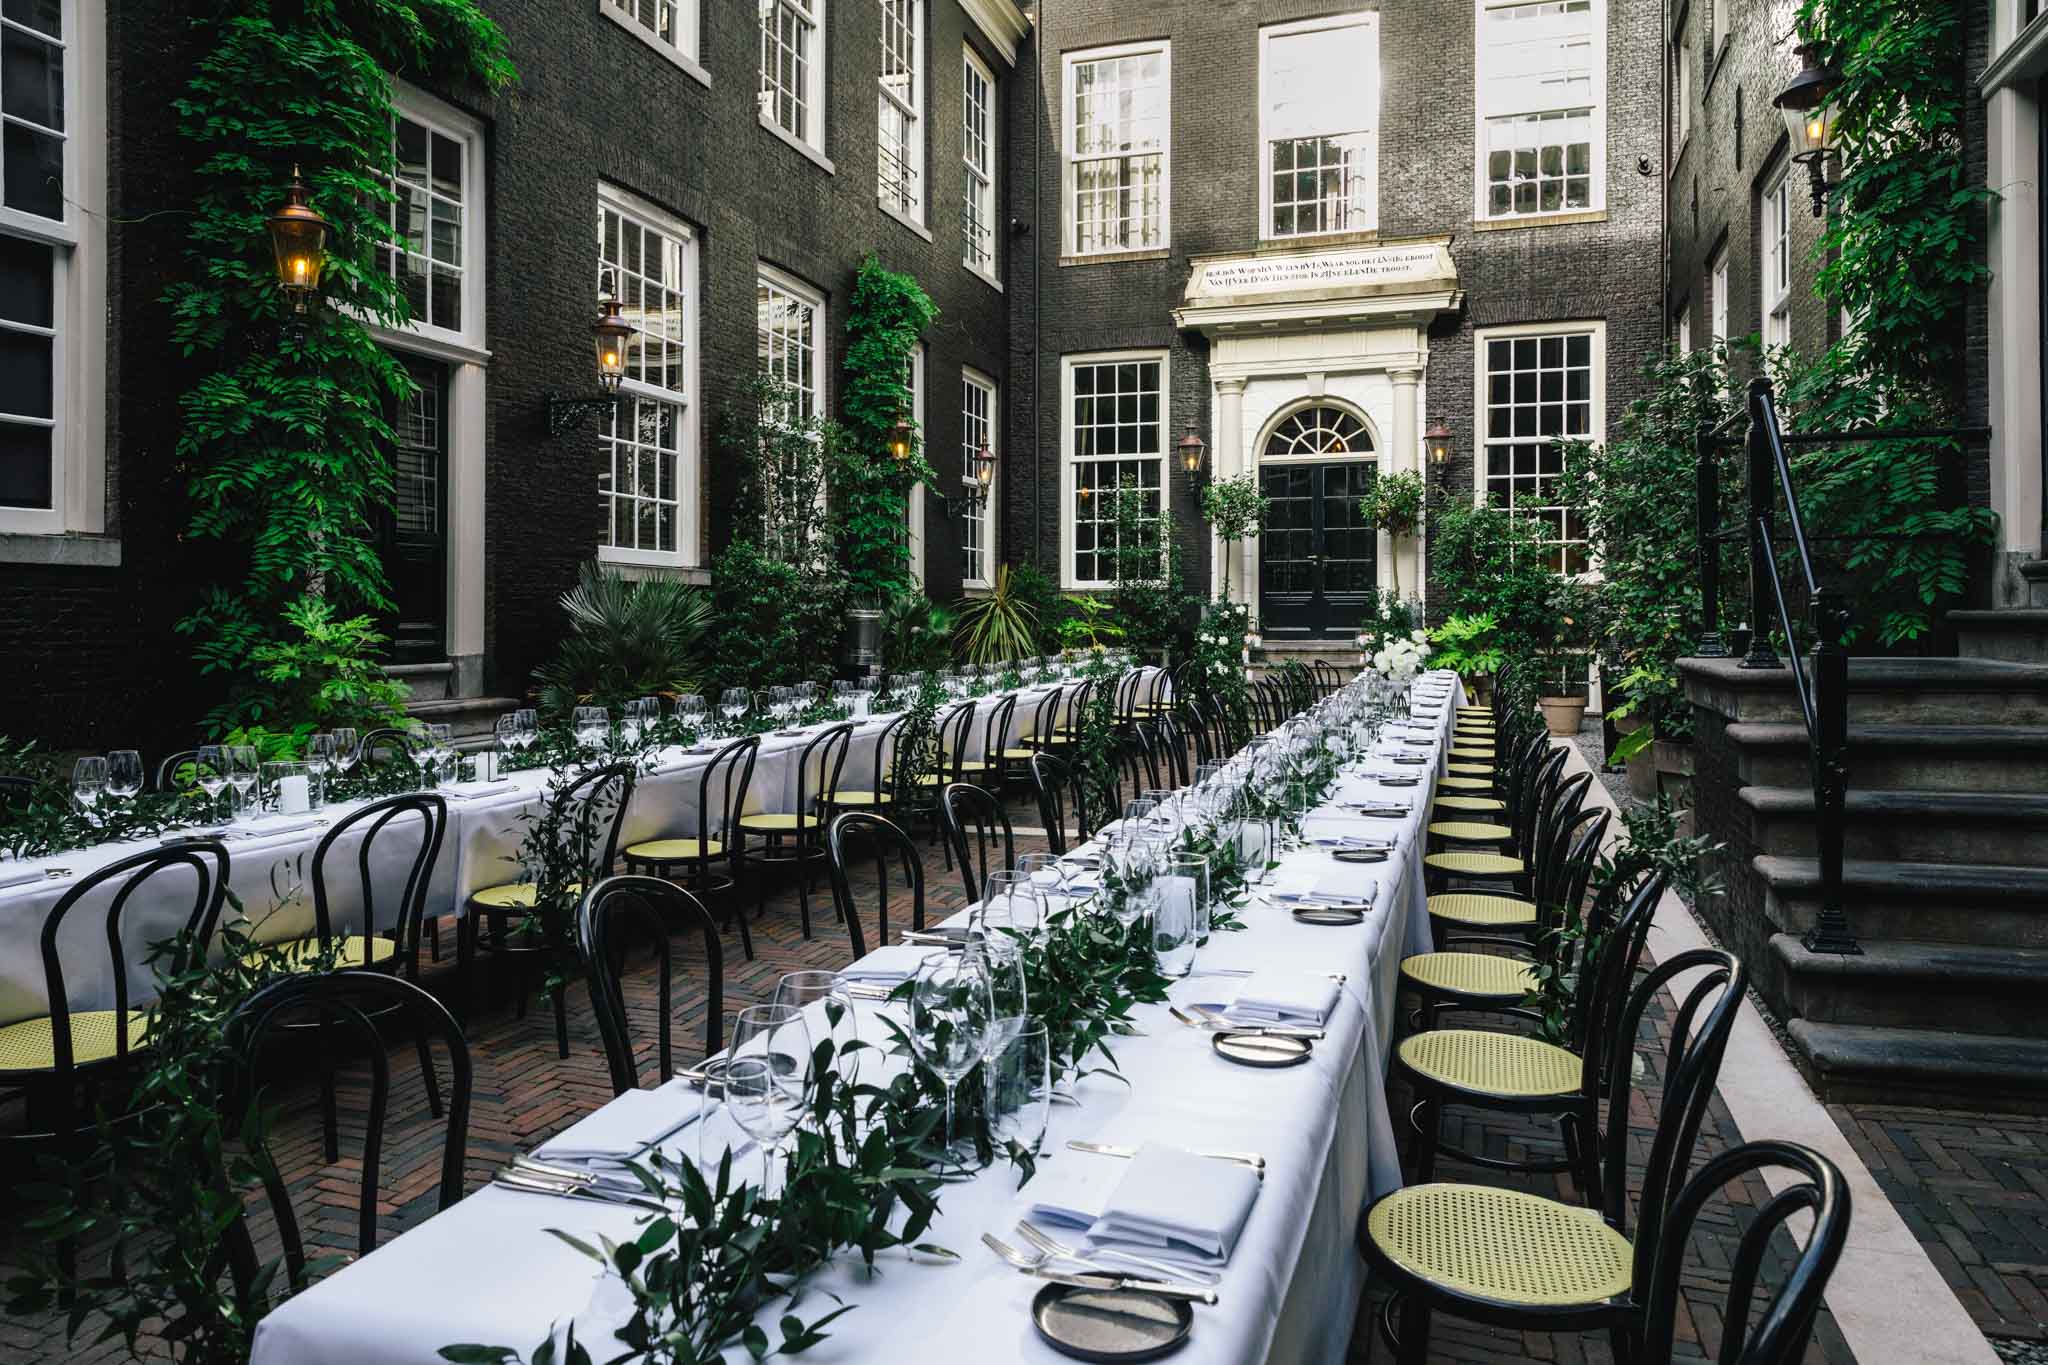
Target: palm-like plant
<point x="917" y="633"/>
<point x="997" y="625"/>
<point x="627" y="638"/>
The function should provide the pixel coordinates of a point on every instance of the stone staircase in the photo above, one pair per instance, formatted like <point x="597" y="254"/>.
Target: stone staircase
<point x="473" y="718"/>
<point x="1946" y="865"/>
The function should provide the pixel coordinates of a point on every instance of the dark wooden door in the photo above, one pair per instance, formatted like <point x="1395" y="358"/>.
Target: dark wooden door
<point x="1318" y="559"/>
<point x="416" y="525"/>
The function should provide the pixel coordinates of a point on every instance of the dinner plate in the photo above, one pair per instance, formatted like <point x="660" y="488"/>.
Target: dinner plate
<point x="1360" y="855"/>
<point x="1398" y="781"/>
<point x="1267" y="1050"/>
<point x="1333" y="915"/>
<point x="1412" y="760"/>
<point x="1110" y="1324"/>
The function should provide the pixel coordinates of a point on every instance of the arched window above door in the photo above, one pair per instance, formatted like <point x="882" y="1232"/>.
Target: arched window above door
<point x="1318" y="430"/>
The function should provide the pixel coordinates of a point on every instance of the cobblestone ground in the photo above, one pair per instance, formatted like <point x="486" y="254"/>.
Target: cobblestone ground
<point x="524" y="1092"/>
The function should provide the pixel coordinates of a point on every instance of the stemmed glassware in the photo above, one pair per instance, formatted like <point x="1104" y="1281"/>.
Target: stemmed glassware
<point x="348" y="749"/>
<point x="244" y="767"/>
<point x="593" y="726"/>
<point x="950" y="1006"/>
<point x="1015" y="901"/>
<point x="319" y="758"/>
<point x="210" y="770"/>
<point x="1046" y="872"/>
<point x="529" y="728"/>
<point x="690" y="713"/>
<point x="89" y="784"/>
<point x="733" y="703"/>
<point x="767" y="1075"/>
<point x="506" y="734"/>
<point x="124" y="774"/>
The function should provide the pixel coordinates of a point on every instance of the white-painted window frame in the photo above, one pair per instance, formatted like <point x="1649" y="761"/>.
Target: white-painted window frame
<point x="1596" y="192"/>
<point x="1717" y="297"/>
<point x="1069" y="159"/>
<point x="686" y="51"/>
<point x="905" y="199"/>
<point x="1682" y="332"/>
<point x="687" y="477"/>
<point x="78" y="290"/>
<point x="809" y="138"/>
<point x="1368" y="20"/>
<point x="1596" y="415"/>
<point x="983" y="522"/>
<point x="438" y="116"/>
<point x="1774" y="257"/>
<point x="979" y="162"/>
<point x="782" y="282"/>
<point x="1068" y="460"/>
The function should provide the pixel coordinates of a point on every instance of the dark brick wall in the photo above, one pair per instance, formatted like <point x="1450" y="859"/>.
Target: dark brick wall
<point x="1602" y="270"/>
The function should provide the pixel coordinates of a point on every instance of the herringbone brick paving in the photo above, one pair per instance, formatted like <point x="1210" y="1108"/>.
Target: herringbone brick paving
<point x="524" y="1092"/>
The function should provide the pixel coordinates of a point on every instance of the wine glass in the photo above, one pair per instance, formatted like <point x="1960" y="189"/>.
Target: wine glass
<point x="348" y="749"/>
<point x="593" y="726"/>
<point x="244" y="767"/>
<point x="1046" y="873"/>
<point x="124" y="774"/>
<point x="1015" y="902"/>
<point x="949" y="1007"/>
<point x="319" y="757"/>
<point x="505" y="734"/>
<point x="733" y="703"/>
<point x="89" y="783"/>
<point x="210" y="770"/>
<point x="690" y="714"/>
<point x="775" y="1039"/>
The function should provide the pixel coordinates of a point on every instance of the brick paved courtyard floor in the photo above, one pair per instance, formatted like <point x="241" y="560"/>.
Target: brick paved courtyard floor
<point x="1974" y="1190"/>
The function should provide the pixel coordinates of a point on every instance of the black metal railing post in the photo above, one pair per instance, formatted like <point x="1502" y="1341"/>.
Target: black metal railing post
<point x="1763" y="506"/>
<point x="1830" y="741"/>
<point x="1708" y="492"/>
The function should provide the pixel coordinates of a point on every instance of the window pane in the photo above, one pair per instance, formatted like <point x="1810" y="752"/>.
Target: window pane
<point x="25" y="466"/>
<point x="1538" y="386"/>
<point x="45" y="16"/>
<point x="31" y="79"/>
<point x="34" y="172"/>
<point x="25" y="374"/>
<point x="25" y="282"/>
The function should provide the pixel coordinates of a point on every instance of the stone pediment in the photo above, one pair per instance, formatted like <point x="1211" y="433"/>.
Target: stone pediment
<point x="1396" y="282"/>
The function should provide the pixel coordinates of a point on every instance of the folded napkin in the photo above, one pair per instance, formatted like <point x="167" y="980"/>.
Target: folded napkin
<point x="626" y="1127"/>
<point x="1178" y="1205"/>
<point x="1285" y="998"/>
<point x="1330" y="840"/>
<point x="1074" y="1191"/>
<point x="1328" y="883"/>
<point x="470" y="791"/>
<point x="888" y="965"/>
<point x="272" y="831"/>
<point x="21" y="877"/>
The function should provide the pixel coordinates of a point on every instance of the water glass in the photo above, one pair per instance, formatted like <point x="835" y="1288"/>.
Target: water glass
<point x="593" y="726"/>
<point x="89" y="783"/>
<point x="1172" y="929"/>
<point x="1186" y="876"/>
<point x="1020" y="1086"/>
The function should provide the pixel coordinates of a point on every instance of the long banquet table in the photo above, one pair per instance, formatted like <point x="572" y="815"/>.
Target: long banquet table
<point x="270" y="858"/>
<point x="485" y="1270"/>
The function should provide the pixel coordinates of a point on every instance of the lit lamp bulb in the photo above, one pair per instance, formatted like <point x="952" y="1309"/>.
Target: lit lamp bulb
<point x="298" y="240"/>
<point x="610" y="333"/>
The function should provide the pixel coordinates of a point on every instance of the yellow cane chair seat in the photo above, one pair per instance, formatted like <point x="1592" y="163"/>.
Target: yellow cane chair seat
<point x="1471" y="831"/>
<point x="1470" y="974"/>
<point x="1466" y="784"/>
<point x="1481" y="757"/>
<point x="1476" y="864"/>
<point x="304" y="955"/>
<point x="675" y="850"/>
<point x="1477" y="909"/>
<point x="1502" y="1245"/>
<point x="519" y="895"/>
<point x="1471" y="769"/>
<point x="31" y="1045"/>
<point x="1482" y="1062"/>
<point x="776" y="823"/>
<point x="1019" y="755"/>
<point x="1471" y="803"/>
<point x="843" y="797"/>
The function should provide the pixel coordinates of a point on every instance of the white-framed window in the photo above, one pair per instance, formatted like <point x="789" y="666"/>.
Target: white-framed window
<point x="647" y="462"/>
<point x="1539" y="384"/>
<point x="1723" y="11"/>
<point x="1681" y="94"/>
<point x="1717" y="294"/>
<point x="1774" y="224"/>
<point x="977" y="429"/>
<point x="790" y="336"/>
<point x="1118" y="105"/>
<point x="899" y="111"/>
<point x="1112" y="438"/>
<point x="1319" y="104"/>
<point x="673" y="28"/>
<point x="1542" y="107"/>
<point x="793" y="69"/>
<point x="1682" y="333"/>
<point x="52" y="267"/>
<point x="436" y="252"/>
<point x="978" y="115"/>
<point x="913" y="503"/>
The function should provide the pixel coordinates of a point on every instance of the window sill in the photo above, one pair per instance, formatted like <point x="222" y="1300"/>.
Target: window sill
<point x="919" y="228"/>
<point x="1538" y="220"/>
<point x="984" y="276"/>
<point x="1365" y="237"/>
<point x="1109" y="257"/>
<point x="640" y="564"/>
<point x="824" y="162"/>
<point x="687" y="65"/>
<point x="69" y="550"/>
<point x="420" y="343"/>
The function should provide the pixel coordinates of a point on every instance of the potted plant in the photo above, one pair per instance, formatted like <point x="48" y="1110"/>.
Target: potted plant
<point x="1566" y="629"/>
<point x="1236" y="510"/>
<point x="1393" y="503"/>
<point x="1563" y="696"/>
<point x="1471" y="645"/>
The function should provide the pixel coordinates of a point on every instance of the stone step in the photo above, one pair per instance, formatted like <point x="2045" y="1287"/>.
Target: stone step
<point x="1940" y="902"/>
<point x="1853" y="1063"/>
<point x="426" y="682"/>
<point x="2018" y="634"/>
<point x="2008" y="828"/>
<point x="1977" y="758"/>
<point x="1904" y="983"/>
<point x="1885" y="691"/>
<point x="2035" y="572"/>
<point x="474" y="719"/>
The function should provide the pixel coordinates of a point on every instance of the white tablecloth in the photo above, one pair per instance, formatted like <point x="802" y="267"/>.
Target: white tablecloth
<point x="485" y="1271"/>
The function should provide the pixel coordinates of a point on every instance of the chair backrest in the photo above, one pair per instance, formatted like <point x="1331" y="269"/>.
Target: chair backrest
<point x="1136" y="772"/>
<point x="1560" y="805"/>
<point x="964" y="809"/>
<point x="347" y="1004"/>
<point x="722" y="795"/>
<point x="819" y="767"/>
<point x="1045" y="715"/>
<point x="953" y="726"/>
<point x="1053" y="782"/>
<point x="1605" y="970"/>
<point x="377" y="742"/>
<point x="1780" y="1335"/>
<point x="886" y="840"/>
<point x="1562" y="872"/>
<point x="995" y="729"/>
<point x="592" y="810"/>
<point x="167" y="771"/>
<point x="885" y="750"/>
<point x="1127" y="695"/>
<point x="370" y="822"/>
<point x="609" y="912"/>
<point x="207" y="862"/>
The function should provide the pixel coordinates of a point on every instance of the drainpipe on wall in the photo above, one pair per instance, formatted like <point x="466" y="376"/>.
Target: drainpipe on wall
<point x="1037" y="291"/>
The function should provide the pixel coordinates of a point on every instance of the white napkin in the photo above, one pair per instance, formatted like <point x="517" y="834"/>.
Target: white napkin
<point x="1326" y="884"/>
<point x="1073" y="1190"/>
<point x="1285" y="998"/>
<point x="21" y="877"/>
<point x="1179" y="1205"/>
<point x="626" y="1127"/>
<point x="888" y="965"/>
<point x="470" y="791"/>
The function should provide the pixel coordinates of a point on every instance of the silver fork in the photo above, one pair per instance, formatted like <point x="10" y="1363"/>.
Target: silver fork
<point x="1098" y="1279"/>
<point x="1052" y="1246"/>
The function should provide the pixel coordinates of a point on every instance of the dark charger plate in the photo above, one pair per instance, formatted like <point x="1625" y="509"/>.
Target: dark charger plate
<point x="1271" y="1051"/>
<point x="1110" y="1324"/>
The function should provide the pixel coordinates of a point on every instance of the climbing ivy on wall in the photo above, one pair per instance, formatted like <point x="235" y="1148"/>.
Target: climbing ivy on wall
<point x="285" y="435"/>
<point x="885" y="317"/>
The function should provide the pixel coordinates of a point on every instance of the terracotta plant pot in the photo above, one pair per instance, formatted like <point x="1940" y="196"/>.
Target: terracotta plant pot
<point x="1562" y="715"/>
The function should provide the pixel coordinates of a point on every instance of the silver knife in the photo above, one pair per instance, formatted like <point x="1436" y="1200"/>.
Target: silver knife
<point x="1193" y="1292"/>
<point x="1224" y="1021"/>
<point x="1251" y="1159"/>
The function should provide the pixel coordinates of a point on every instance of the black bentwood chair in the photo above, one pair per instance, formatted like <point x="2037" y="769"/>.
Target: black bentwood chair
<point x="695" y="860"/>
<point x="609" y="914"/>
<point x="351" y="1001"/>
<point x="968" y="810"/>
<point x="795" y="838"/>
<point x="887" y="842"/>
<point x="1054" y="783"/>
<point x="1523" y="1262"/>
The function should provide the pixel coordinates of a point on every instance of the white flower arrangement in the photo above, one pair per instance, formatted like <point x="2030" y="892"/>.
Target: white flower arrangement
<point x="1400" y="660"/>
